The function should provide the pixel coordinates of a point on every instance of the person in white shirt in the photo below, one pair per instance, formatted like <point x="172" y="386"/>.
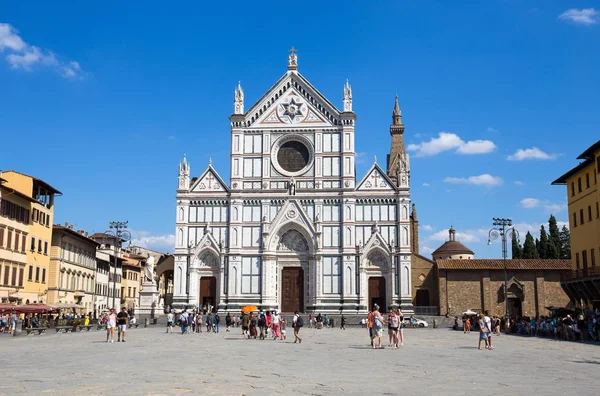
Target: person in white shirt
<point x="487" y="322"/>
<point x="275" y="325"/>
<point x="170" y="318"/>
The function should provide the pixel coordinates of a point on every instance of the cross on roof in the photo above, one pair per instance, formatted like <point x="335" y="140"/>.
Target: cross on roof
<point x="293" y="50"/>
<point x="375" y="176"/>
<point x="210" y="178"/>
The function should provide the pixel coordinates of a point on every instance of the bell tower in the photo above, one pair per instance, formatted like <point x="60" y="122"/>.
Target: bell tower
<point x="397" y="153"/>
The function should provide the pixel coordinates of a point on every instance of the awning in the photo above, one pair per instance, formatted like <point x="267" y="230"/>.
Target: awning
<point x="65" y="306"/>
<point x="28" y="308"/>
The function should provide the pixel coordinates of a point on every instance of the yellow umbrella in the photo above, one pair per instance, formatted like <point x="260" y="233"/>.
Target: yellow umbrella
<point x="249" y="308"/>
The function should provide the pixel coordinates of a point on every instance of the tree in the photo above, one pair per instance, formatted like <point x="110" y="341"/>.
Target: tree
<point x="551" y="251"/>
<point x="555" y="234"/>
<point x="543" y="245"/>
<point x="529" y="250"/>
<point x="517" y="250"/>
<point x="565" y="243"/>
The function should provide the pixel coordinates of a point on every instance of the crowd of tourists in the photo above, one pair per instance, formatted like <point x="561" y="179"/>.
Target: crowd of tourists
<point x="395" y="326"/>
<point x="562" y="324"/>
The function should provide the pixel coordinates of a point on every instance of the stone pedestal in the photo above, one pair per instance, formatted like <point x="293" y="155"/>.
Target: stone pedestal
<point x="148" y="307"/>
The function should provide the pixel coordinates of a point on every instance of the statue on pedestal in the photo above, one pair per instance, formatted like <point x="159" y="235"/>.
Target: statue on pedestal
<point x="149" y="271"/>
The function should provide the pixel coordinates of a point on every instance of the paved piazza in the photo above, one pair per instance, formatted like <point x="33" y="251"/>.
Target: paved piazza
<point x="328" y="362"/>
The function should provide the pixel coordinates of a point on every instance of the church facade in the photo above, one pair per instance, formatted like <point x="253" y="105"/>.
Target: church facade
<point x="294" y="229"/>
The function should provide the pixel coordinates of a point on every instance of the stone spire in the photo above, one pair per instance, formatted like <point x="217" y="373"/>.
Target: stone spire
<point x="452" y="234"/>
<point x="293" y="59"/>
<point x="238" y="100"/>
<point x="347" y="97"/>
<point x="184" y="174"/>
<point x="396" y="114"/>
<point x="397" y="159"/>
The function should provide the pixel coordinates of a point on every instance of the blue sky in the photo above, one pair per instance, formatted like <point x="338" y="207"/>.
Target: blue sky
<point x="498" y="98"/>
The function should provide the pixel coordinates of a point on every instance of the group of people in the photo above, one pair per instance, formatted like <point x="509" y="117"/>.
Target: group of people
<point x="584" y="326"/>
<point x="395" y="324"/>
<point x="263" y="325"/>
<point x="113" y="320"/>
<point x="192" y="322"/>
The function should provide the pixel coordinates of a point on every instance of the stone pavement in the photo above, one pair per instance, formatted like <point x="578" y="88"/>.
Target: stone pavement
<point x="328" y="362"/>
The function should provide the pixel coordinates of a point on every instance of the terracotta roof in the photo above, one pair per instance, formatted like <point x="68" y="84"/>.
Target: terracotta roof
<point x="498" y="264"/>
<point x="452" y="247"/>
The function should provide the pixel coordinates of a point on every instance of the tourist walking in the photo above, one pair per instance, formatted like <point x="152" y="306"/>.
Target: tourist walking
<point x="394" y="321"/>
<point x="183" y="322"/>
<point x="401" y="328"/>
<point x="343" y="323"/>
<point x="245" y="324"/>
<point x="227" y="322"/>
<point x="122" y="320"/>
<point x="283" y="326"/>
<point x="199" y="322"/>
<point x="209" y="322"/>
<point x="378" y="326"/>
<point x="170" y="319"/>
<point x="253" y="326"/>
<point x="262" y="324"/>
<point x="370" y="327"/>
<point x="467" y="326"/>
<point x="191" y="321"/>
<point x="216" y="321"/>
<point x="275" y="325"/>
<point x="483" y="332"/>
<point x="13" y="322"/>
<point x="297" y="324"/>
<point x="488" y="324"/>
<point x="111" y="323"/>
<point x="310" y="321"/>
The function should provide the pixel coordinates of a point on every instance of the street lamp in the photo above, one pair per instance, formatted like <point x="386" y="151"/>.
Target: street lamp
<point x="120" y="234"/>
<point x="502" y="229"/>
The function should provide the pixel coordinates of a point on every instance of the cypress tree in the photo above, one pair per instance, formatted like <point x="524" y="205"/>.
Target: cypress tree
<point x="543" y="246"/>
<point x="555" y="234"/>
<point x="551" y="251"/>
<point x="517" y="250"/>
<point x="529" y="250"/>
<point x="565" y="243"/>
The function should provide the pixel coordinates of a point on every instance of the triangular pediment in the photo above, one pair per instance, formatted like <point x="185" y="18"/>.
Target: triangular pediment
<point x="209" y="181"/>
<point x="207" y="251"/>
<point x="291" y="216"/>
<point x="376" y="179"/>
<point x="292" y="101"/>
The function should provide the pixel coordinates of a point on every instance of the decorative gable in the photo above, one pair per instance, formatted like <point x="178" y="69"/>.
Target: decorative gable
<point x="376" y="179"/>
<point x="209" y="181"/>
<point x="292" y="101"/>
<point x="291" y="216"/>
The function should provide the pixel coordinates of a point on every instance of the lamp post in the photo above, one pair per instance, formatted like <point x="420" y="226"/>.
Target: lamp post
<point x="119" y="233"/>
<point x="502" y="229"/>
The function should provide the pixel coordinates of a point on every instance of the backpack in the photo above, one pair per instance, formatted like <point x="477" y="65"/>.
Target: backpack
<point x="299" y="321"/>
<point x="217" y="319"/>
<point x="190" y="319"/>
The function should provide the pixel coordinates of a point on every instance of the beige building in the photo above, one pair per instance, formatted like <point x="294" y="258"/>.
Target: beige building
<point x="132" y="280"/>
<point x="72" y="275"/>
<point x="583" y="195"/>
<point x="14" y="233"/>
<point x="41" y="214"/>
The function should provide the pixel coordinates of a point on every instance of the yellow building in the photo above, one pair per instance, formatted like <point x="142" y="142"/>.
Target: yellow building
<point x="14" y="231"/>
<point x="583" y="194"/>
<point x="41" y="214"/>
<point x="72" y="274"/>
<point x="132" y="280"/>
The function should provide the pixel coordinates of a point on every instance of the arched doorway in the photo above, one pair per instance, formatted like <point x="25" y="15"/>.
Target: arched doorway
<point x="207" y="293"/>
<point x="377" y="284"/>
<point x="292" y="255"/>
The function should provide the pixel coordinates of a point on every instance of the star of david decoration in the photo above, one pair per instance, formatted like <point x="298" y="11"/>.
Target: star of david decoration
<point x="292" y="109"/>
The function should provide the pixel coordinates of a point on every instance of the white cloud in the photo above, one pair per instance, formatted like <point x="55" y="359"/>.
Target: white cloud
<point x="477" y="147"/>
<point x="490" y="129"/>
<point x="359" y="158"/>
<point x="529" y="203"/>
<point x="531" y="153"/>
<point x="450" y="141"/>
<point x="161" y="243"/>
<point x="425" y="184"/>
<point x="481" y="180"/>
<point x="466" y="236"/>
<point x="21" y="55"/>
<point x="519" y="183"/>
<point x="585" y="16"/>
<point x="554" y="208"/>
<point x="426" y="249"/>
<point x="427" y="227"/>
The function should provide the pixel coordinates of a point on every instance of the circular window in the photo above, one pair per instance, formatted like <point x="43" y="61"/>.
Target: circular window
<point x="293" y="156"/>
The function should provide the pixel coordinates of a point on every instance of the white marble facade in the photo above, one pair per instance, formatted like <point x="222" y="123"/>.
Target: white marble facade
<point x="293" y="229"/>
